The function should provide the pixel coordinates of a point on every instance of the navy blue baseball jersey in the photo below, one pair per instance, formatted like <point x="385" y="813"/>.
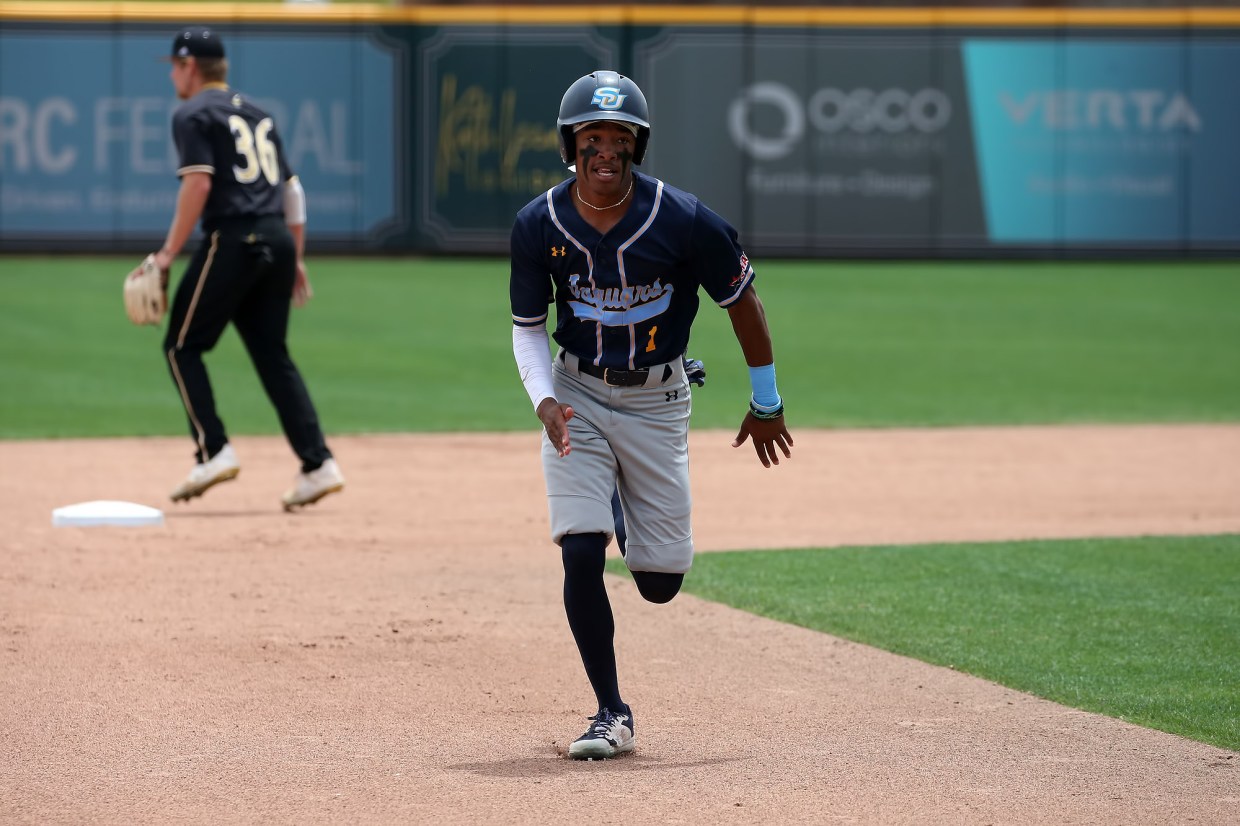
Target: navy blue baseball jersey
<point x="223" y="133"/>
<point x="626" y="299"/>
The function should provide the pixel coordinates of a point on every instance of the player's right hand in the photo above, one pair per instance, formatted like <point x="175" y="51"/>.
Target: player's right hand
<point x="302" y="291"/>
<point x="554" y="417"/>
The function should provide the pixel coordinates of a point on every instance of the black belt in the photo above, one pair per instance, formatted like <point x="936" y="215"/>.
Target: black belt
<point x="620" y="378"/>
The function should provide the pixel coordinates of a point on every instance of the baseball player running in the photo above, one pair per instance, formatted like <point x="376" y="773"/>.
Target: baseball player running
<point x="234" y="177"/>
<point x="622" y="255"/>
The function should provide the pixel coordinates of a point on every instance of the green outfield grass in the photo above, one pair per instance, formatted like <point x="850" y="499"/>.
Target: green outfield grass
<point x="1146" y="629"/>
<point x="393" y="345"/>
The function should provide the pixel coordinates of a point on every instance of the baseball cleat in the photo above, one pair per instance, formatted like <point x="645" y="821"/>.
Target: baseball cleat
<point x="610" y="735"/>
<point x="219" y="468"/>
<point x="313" y="486"/>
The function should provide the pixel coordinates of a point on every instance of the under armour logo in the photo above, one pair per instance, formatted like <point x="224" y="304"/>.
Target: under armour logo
<point x="672" y="395"/>
<point x="557" y="252"/>
<point x="608" y="97"/>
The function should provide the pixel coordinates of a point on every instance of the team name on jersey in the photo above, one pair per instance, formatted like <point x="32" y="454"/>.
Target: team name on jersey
<point x="619" y="307"/>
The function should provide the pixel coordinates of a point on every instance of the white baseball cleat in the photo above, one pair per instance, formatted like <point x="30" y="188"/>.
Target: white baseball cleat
<point x="310" y="487"/>
<point x="610" y="734"/>
<point x="219" y="468"/>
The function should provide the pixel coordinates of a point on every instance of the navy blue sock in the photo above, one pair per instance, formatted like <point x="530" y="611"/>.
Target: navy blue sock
<point x="589" y="614"/>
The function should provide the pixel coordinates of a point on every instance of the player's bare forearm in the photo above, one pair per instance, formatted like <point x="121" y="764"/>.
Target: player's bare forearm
<point x="770" y="436"/>
<point x="191" y="199"/>
<point x="749" y="323"/>
<point x="298" y="231"/>
<point x="554" y="417"/>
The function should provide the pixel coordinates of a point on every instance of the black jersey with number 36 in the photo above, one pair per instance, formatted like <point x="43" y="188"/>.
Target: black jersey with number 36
<point x="223" y="133"/>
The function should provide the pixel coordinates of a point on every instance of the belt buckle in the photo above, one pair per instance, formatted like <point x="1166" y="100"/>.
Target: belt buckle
<point x="631" y="378"/>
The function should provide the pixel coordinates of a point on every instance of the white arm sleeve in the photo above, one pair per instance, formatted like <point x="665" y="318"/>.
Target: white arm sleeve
<point x="532" y="349"/>
<point x="294" y="202"/>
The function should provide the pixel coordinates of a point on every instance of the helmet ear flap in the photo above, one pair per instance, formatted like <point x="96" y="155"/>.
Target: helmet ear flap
<point x="568" y="144"/>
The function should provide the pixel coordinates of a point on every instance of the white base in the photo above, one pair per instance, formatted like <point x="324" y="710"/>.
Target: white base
<point x="106" y="512"/>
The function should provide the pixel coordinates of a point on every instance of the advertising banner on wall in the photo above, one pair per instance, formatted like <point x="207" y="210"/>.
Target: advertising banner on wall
<point x="486" y="107"/>
<point x="86" y="149"/>
<point x="1107" y="142"/>
<point x="815" y="141"/>
<point x="831" y="140"/>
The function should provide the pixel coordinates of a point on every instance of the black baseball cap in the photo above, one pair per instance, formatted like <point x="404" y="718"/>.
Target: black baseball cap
<point x="197" y="41"/>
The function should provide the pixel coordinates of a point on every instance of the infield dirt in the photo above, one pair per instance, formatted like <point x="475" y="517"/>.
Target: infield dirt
<point x="399" y="653"/>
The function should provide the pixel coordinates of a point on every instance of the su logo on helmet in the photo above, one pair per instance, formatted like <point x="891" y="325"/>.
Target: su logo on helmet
<point x="608" y="97"/>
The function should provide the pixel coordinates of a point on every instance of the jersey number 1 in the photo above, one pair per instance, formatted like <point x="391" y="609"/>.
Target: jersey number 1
<point x="650" y="344"/>
<point x="257" y="150"/>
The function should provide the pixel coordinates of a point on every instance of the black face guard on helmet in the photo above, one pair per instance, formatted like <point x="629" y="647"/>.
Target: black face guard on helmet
<point x="603" y="95"/>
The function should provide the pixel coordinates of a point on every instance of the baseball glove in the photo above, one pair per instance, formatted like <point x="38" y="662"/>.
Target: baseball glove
<point x="145" y="293"/>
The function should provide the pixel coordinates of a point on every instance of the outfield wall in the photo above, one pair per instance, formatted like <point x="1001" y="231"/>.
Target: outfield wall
<point x="818" y="132"/>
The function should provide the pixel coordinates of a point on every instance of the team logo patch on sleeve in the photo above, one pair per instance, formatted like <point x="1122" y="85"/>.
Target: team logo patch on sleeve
<point x="745" y="270"/>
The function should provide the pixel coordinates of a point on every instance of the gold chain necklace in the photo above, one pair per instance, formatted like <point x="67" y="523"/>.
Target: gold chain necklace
<point x="577" y="189"/>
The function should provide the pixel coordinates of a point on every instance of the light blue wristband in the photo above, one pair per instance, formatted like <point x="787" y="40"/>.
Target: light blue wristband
<point x="765" y="395"/>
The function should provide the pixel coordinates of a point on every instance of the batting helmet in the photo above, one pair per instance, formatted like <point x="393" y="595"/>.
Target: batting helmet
<point x="603" y="95"/>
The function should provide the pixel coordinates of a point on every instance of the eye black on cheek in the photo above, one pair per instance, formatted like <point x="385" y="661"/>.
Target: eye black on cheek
<point x="588" y="151"/>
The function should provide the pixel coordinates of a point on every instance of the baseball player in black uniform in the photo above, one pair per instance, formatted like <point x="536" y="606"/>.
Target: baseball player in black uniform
<point x="623" y="256"/>
<point x="247" y="269"/>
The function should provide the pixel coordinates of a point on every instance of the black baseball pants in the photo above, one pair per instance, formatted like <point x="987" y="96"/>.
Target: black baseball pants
<point x="242" y="273"/>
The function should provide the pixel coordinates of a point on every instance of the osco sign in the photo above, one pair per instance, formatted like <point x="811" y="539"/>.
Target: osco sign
<point x="830" y="111"/>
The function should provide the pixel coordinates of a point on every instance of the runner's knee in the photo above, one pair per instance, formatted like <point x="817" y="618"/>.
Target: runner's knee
<point x="658" y="587"/>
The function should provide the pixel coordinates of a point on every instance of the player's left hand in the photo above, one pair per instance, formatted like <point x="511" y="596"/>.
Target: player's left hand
<point x="302" y="291"/>
<point x="766" y="434"/>
<point x="146" y="292"/>
<point x="163" y="260"/>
